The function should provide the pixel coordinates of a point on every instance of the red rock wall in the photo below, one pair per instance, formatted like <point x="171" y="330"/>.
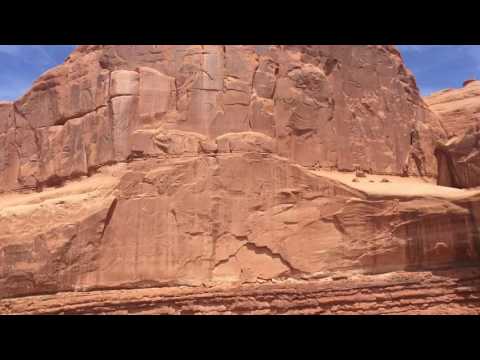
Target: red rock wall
<point x="208" y="183"/>
<point x="459" y="108"/>
<point x="336" y="106"/>
<point x="224" y="219"/>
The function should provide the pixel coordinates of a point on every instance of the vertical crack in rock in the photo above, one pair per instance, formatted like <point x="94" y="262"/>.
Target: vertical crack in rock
<point x="215" y="205"/>
<point x="475" y="228"/>
<point x="470" y="206"/>
<point x="174" y="214"/>
<point x="16" y="146"/>
<point x="37" y="186"/>
<point x="337" y="223"/>
<point x="109" y="216"/>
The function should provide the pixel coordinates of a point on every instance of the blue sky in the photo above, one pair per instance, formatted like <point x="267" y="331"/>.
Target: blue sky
<point x="436" y="67"/>
<point x="20" y="65"/>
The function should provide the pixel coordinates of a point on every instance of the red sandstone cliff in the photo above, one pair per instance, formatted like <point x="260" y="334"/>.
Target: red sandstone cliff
<point x="336" y="106"/>
<point x="211" y="171"/>
<point x="458" y="108"/>
<point x="458" y="159"/>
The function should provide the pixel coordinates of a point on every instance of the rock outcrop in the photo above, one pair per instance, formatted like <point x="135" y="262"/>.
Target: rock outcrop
<point x="224" y="219"/>
<point x="337" y="106"/>
<point x="229" y="219"/>
<point x="203" y="179"/>
<point x="457" y="159"/>
<point x="458" y="108"/>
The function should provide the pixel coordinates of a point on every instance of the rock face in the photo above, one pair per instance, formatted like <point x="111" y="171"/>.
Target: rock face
<point x="198" y="167"/>
<point x="457" y="158"/>
<point x="441" y="292"/>
<point x="232" y="218"/>
<point x="337" y="106"/>
<point x="458" y="108"/>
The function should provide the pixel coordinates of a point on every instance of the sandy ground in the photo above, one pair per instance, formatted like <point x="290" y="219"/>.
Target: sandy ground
<point x="398" y="186"/>
<point x="79" y="190"/>
<point x="102" y="184"/>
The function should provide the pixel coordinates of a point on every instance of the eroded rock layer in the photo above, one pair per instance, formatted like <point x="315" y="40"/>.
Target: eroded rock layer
<point x="441" y="293"/>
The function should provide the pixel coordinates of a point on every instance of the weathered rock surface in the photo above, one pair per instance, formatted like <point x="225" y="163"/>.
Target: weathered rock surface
<point x="196" y="172"/>
<point x="459" y="160"/>
<point x="337" y="106"/>
<point x="225" y="219"/>
<point x="441" y="292"/>
<point x="458" y="108"/>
